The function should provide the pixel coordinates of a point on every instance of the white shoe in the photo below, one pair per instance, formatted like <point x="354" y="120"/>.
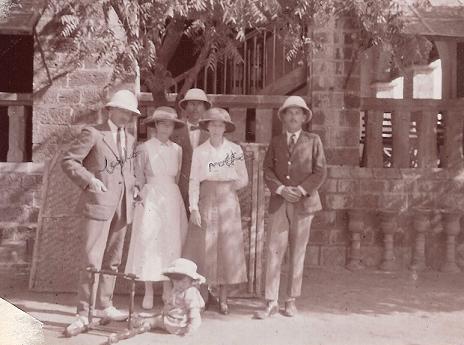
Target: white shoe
<point x="79" y="325"/>
<point x="111" y="313"/>
<point x="147" y="302"/>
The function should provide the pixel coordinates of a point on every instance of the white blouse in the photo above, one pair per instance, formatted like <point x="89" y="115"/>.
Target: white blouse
<point x="225" y="163"/>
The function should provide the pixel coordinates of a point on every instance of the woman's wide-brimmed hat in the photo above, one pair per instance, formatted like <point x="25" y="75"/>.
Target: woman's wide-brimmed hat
<point x="217" y="114"/>
<point x="164" y="114"/>
<point x="295" y="101"/>
<point x="195" y="95"/>
<point x="185" y="267"/>
<point x="124" y="99"/>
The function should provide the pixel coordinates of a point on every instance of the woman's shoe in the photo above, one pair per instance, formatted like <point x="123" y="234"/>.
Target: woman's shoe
<point x="147" y="302"/>
<point x="223" y="308"/>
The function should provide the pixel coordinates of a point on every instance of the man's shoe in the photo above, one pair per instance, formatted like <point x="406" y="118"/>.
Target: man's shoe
<point x="111" y="313"/>
<point x="290" y="309"/>
<point x="271" y="309"/>
<point x="79" y="325"/>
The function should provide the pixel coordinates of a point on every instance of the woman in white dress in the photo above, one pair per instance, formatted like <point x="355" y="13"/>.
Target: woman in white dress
<point x="160" y="221"/>
<point x="215" y="241"/>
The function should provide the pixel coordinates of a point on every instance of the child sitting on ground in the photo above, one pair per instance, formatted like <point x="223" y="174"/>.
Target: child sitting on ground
<point x="182" y="300"/>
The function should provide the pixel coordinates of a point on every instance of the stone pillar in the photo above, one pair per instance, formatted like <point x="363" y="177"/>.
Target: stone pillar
<point x="452" y="227"/>
<point x="17" y="134"/>
<point x="421" y="224"/>
<point x="388" y="225"/>
<point x="335" y="96"/>
<point x="355" y="227"/>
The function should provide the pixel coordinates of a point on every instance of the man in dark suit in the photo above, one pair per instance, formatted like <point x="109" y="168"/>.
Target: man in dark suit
<point x="294" y="169"/>
<point x="100" y="161"/>
<point x="194" y="105"/>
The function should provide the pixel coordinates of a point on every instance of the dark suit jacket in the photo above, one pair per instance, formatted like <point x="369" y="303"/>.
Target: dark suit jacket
<point x="182" y="138"/>
<point x="94" y="154"/>
<point x="305" y="167"/>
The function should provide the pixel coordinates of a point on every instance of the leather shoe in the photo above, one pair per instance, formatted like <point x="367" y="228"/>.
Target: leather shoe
<point x="290" y="309"/>
<point x="79" y="325"/>
<point x="271" y="309"/>
<point x="111" y="313"/>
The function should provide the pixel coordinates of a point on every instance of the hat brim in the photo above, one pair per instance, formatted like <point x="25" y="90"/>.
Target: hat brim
<point x="119" y="106"/>
<point x="182" y="103"/>
<point x="308" y="112"/>
<point x="230" y="127"/>
<point x="152" y="122"/>
<point x="195" y="276"/>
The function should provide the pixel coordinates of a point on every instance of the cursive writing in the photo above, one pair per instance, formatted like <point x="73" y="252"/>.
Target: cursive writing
<point x="228" y="161"/>
<point x="110" y="166"/>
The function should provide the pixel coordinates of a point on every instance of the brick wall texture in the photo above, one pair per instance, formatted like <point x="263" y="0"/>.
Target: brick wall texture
<point x="402" y="191"/>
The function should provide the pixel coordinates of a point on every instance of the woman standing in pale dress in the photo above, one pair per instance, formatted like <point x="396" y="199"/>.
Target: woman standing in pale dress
<point x="215" y="239"/>
<point x="160" y="221"/>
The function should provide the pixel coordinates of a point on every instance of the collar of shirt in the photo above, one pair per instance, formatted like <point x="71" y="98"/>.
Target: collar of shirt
<point x="189" y="124"/>
<point x="167" y="143"/>
<point x="113" y="126"/>
<point x="223" y="146"/>
<point x="297" y="135"/>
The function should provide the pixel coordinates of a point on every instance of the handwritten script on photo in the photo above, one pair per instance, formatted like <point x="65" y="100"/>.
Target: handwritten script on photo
<point x="110" y="166"/>
<point x="229" y="160"/>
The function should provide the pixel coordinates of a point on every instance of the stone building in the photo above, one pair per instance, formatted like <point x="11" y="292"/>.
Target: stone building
<point x="393" y="141"/>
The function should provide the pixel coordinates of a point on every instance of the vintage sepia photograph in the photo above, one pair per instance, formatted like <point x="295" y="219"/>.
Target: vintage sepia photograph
<point x="231" y="172"/>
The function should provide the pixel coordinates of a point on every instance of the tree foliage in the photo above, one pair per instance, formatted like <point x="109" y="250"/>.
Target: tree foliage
<point x="144" y="34"/>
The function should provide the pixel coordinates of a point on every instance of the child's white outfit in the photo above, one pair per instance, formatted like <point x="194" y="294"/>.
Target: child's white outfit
<point x="177" y="305"/>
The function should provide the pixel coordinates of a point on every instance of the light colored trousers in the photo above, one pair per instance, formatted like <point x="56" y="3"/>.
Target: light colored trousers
<point x="103" y="246"/>
<point x="289" y="229"/>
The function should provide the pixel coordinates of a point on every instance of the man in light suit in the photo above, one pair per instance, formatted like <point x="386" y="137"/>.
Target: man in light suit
<point x="294" y="169"/>
<point x="100" y="161"/>
<point x="194" y="105"/>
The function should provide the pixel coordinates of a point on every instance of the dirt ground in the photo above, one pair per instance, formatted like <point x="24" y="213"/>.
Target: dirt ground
<point x="337" y="307"/>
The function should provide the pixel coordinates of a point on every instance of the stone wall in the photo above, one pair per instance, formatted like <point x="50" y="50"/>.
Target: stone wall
<point x="20" y="198"/>
<point x="402" y="191"/>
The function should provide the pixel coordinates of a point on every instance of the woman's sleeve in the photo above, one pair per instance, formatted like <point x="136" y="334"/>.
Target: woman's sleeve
<point x="140" y="166"/>
<point x="194" y="181"/>
<point x="240" y="168"/>
<point x="179" y="162"/>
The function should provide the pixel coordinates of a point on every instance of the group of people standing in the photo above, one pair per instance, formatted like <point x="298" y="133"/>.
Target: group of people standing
<point x="187" y="211"/>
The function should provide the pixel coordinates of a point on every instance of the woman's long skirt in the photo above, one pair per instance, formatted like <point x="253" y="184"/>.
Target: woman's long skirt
<point x="217" y="247"/>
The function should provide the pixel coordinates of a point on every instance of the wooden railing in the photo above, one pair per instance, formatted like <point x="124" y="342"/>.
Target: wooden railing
<point x="17" y="107"/>
<point x="397" y="133"/>
<point x="404" y="133"/>
<point x="263" y="61"/>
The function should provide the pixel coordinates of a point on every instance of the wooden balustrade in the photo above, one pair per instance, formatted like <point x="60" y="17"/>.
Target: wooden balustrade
<point x="425" y="133"/>
<point x="417" y="132"/>
<point x="263" y="61"/>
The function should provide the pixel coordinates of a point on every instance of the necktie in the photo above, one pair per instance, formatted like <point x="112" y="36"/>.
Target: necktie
<point x="194" y="128"/>
<point x="291" y="143"/>
<point x="120" y="142"/>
